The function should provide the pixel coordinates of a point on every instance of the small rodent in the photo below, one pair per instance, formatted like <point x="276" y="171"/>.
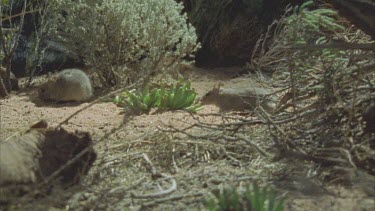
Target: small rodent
<point x="238" y="99"/>
<point x="67" y="85"/>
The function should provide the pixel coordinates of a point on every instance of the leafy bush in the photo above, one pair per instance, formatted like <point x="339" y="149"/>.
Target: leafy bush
<point x="23" y="27"/>
<point x="327" y="77"/>
<point x="254" y="198"/>
<point x="169" y="97"/>
<point x="299" y="26"/>
<point x="126" y="40"/>
<point x="306" y="26"/>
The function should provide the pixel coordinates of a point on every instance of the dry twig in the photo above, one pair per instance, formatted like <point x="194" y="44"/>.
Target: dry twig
<point x="156" y="174"/>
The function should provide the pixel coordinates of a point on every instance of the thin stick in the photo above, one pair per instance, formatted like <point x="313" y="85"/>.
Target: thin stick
<point x="154" y="174"/>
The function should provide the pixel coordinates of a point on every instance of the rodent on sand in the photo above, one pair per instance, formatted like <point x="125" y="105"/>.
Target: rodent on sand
<point x="67" y="85"/>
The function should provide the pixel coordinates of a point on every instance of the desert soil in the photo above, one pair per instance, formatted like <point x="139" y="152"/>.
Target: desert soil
<point x="121" y="178"/>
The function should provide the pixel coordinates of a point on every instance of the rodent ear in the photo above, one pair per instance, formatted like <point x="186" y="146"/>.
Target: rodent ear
<point x="43" y="90"/>
<point x="60" y="80"/>
<point x="216" y="88"/>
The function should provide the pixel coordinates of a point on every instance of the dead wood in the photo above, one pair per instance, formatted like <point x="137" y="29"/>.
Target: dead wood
<point x="32" y="158"/>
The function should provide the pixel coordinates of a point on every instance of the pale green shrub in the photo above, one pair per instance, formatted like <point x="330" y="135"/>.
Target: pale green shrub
<point x="325" y="80"/>
<point x="126" y="40"/>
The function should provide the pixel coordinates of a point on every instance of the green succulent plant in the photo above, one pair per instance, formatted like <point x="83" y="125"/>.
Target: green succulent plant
<point x="253" y="199"/>
<point x="138" y="101"/>
<point x="168" y="97"/>
<point x="179" y="96"/>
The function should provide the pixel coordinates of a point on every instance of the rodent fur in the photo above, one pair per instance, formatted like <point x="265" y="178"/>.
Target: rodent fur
<point x="68" y="85"/>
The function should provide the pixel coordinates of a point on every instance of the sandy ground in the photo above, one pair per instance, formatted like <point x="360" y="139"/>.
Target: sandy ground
<point x="120" y="175"/>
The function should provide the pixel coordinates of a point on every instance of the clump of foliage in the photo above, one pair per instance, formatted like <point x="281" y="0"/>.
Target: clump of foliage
<point x="299" y="26"/>
<point x="27" y="49"/>
<point x="177" y="96"/>
<point x="328" y="82"/>
<point x="126" y="40"/>
<point x="254" y="198"/>
<point x="139" y="101"/>
<point x="309" y="24"/>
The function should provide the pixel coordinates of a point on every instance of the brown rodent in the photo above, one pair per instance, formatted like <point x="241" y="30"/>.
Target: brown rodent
<point x="68" y="85"/>
<point x="238" y="99"/>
